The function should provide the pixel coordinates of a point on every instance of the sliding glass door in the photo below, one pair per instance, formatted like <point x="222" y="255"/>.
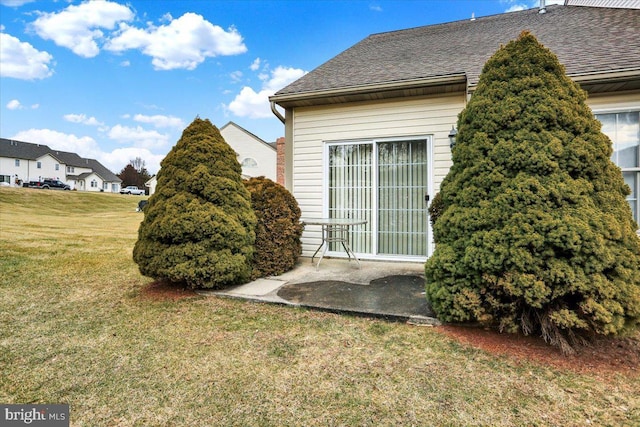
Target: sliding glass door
<point x="402" y="209"/>
<point x="383" y="182"/>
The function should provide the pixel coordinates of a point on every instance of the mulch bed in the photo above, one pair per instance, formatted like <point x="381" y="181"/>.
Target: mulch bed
<point x="603" y="356"/>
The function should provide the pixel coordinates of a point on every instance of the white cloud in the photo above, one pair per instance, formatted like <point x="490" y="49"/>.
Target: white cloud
<point x="249" y="103"/>
<point x="517" y="5"/>
<point x="87" y="147"/>
<point x="14" y="3"/>
<point x="83" y="119"/>
<point x="255" y="65"/>
<point x="160" y="121"/>
<point x="182" y="44"/>
<point x="20" y="60"/>
<point x="120" y="157"/>
<point x="14" y="104"/>
<point x="139" y="137"/>
<point x="78" y="27"/>
<point x="83" y="146"/>
<point x="236" y="76"/>
<point x="375" y="8"/>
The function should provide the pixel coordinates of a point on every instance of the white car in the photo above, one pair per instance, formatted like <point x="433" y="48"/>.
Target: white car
<point x="132" y="189"/>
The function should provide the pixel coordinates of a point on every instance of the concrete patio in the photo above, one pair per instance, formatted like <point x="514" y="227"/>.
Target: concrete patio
<point x="393" y="290"/>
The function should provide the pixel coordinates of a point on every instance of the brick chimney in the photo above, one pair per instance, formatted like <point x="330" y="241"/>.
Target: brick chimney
<point x="280" y="160"/>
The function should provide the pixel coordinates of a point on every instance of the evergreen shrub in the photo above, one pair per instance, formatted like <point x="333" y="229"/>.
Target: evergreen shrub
<point x="199" y="227"/>
<point x="435" y="209"/>
<point x="278" y="230"/>
<point x="535" y="234"/>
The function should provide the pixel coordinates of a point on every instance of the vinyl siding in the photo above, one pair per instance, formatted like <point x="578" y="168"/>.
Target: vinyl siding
<point x="314" y="126"/>
<point x="614" y="102"/>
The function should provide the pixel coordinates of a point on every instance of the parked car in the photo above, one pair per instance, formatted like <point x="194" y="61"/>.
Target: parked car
<point x="132" y="189"/>
<point x="49" y="184"/>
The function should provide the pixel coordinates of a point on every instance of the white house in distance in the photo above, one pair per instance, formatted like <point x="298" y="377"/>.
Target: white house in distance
<point x="21" y="162"/>
<point x="257" y="157"/>
<point x="367" y="132"/>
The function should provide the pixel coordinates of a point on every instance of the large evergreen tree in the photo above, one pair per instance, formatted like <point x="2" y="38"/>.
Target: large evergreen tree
<point x="534" y="232"/>
<point x="199" y="227"/>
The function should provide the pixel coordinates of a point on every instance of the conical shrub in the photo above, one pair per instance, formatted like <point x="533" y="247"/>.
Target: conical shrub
<point x="534" y="232"/>
<point x="199" y="227"/>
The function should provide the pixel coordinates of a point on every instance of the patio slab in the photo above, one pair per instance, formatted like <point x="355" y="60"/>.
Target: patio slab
<point x="393" y="290"/>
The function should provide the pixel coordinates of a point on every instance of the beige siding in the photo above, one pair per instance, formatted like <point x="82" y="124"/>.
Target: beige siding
<point x="314" y="126"/>
<point x="615" y="102"/>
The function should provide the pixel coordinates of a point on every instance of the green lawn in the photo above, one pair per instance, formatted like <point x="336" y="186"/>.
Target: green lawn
<point x="77" y="328"/>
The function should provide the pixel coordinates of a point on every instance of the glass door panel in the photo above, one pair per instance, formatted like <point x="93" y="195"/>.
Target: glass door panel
<point x="351" y="191"/>
<point x="402" y="185"/>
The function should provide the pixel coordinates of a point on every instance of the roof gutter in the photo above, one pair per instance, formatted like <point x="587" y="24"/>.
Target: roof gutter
<point x="592" y="77"/>
<point x="606" y="76"/>
<point x="276" y="112"/>
<point x="356" y="90"/>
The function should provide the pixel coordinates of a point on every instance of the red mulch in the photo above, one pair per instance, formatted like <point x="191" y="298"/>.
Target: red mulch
<point x="604" y="356"/>
<point x="163" y="291"/>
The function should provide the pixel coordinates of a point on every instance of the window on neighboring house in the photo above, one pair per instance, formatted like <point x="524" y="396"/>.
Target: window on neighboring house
<point x="249" y="163"/>
<point x="105" y="185"/>
<point x="70" y="169"/>
<point x="624" y="130"/>
<point x="5" y="178"/>
<point x="17" y="162"/>
<point x="94" y="183"/>
<point x="57" y="167"/>
<point x="39" y="165"/>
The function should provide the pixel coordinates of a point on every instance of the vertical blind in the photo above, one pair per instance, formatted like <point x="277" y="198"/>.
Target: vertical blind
<point x="351" y="191"/>
<point x="402" y="213"/>
<point x="383" y="183"/>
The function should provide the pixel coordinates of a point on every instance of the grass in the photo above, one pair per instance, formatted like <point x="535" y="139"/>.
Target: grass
<point x="76" y="327"/>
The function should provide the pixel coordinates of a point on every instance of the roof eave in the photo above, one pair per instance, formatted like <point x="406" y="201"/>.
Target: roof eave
<point x="316" y="97"/>
<point x="591" y="79"/>
<point x="606" y="76"/>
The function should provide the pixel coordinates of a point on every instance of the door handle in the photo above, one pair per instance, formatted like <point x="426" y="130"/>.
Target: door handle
<point x="426" y="198"/>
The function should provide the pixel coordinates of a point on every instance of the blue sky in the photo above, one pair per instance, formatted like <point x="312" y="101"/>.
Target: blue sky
<point x="115" y="80"/>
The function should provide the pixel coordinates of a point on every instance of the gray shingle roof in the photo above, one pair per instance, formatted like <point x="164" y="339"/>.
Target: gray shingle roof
<point x="28" y="151"/>
<point x="22" y="150"/>
<point x="103" y="172"/>
<point x="585" y="39"/>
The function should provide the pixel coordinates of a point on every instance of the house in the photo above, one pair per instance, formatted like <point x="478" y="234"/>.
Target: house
<point x="367" y="132"/>
<point x="22" y="162"/>
<point x="257" y="157"/>
<point x="151" y="184"/>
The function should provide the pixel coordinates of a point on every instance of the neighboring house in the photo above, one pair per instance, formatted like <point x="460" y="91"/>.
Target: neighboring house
<point x="257" y="157"/>
<point x="22" y="162"/>
<point x="151" y="184"/>
<point x="367" y="133"/>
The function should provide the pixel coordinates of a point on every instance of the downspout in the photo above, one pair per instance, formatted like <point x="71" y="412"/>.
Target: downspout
<point x="276" y="112"/>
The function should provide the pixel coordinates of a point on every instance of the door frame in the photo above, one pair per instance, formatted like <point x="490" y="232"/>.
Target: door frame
<point x="374" y="226"/>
